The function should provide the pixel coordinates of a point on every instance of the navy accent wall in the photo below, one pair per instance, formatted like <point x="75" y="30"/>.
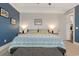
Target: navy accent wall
<point x="7" y="30"/>
<point x="77" y="23"/>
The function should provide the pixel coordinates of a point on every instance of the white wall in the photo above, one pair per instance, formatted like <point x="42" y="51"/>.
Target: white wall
<point x="62" y="26"/>
<point x="47" y="19"/>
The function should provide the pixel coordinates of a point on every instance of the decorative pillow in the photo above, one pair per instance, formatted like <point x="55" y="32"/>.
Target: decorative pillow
<point x="43" y="31"/>
<point x="37" y="31"/>
<point x="31" y="31"/>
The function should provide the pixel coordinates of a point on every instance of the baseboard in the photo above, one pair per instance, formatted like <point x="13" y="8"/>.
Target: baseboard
<point x="76" y="43"/>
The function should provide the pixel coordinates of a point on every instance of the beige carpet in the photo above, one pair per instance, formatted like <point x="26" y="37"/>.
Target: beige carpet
<point x="71" y="49"/>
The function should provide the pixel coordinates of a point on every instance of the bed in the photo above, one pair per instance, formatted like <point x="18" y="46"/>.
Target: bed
<point x="37" y="45"/>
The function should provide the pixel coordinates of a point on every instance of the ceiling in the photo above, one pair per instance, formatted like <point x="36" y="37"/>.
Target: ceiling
<point x="43" y="7"/>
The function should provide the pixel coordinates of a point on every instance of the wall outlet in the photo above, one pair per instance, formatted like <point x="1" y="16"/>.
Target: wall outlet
<point x="5" y="41"/>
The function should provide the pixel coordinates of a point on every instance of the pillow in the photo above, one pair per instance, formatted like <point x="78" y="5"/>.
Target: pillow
<point x="37" y="31"/>
<point x="43" y="31"/>
<point x="32" y="31"/>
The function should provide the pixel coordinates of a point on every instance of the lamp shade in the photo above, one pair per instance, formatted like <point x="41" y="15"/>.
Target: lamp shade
<point x="24" y="26"/>
<point x="52" y="26"/>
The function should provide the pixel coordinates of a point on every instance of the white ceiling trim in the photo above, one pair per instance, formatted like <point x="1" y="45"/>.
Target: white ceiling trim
<point x="43" y="7"/>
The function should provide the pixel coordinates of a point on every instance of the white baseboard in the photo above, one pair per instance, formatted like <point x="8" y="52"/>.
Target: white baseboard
<point x="76" y="43"/>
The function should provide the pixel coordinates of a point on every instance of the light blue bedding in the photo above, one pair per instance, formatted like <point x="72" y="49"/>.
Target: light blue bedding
<point x="30" y="40"/>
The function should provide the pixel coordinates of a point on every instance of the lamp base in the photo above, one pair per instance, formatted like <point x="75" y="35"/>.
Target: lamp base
<point x="52" y="31"/>
<point x="23" y="31"/>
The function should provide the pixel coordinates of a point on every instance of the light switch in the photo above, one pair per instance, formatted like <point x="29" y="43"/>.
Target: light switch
<point x="76" y="27"/>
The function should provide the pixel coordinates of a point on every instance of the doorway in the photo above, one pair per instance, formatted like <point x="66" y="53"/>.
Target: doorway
<point x="70" y="27"/>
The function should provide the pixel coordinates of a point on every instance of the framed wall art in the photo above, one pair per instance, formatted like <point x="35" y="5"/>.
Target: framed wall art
<point x="13" y="21"/>
<point x="4" y="13"/>
<point x="37" y="21"/>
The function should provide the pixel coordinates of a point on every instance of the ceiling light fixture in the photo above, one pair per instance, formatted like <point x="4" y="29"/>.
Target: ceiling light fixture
<point x="49" y="4"/>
